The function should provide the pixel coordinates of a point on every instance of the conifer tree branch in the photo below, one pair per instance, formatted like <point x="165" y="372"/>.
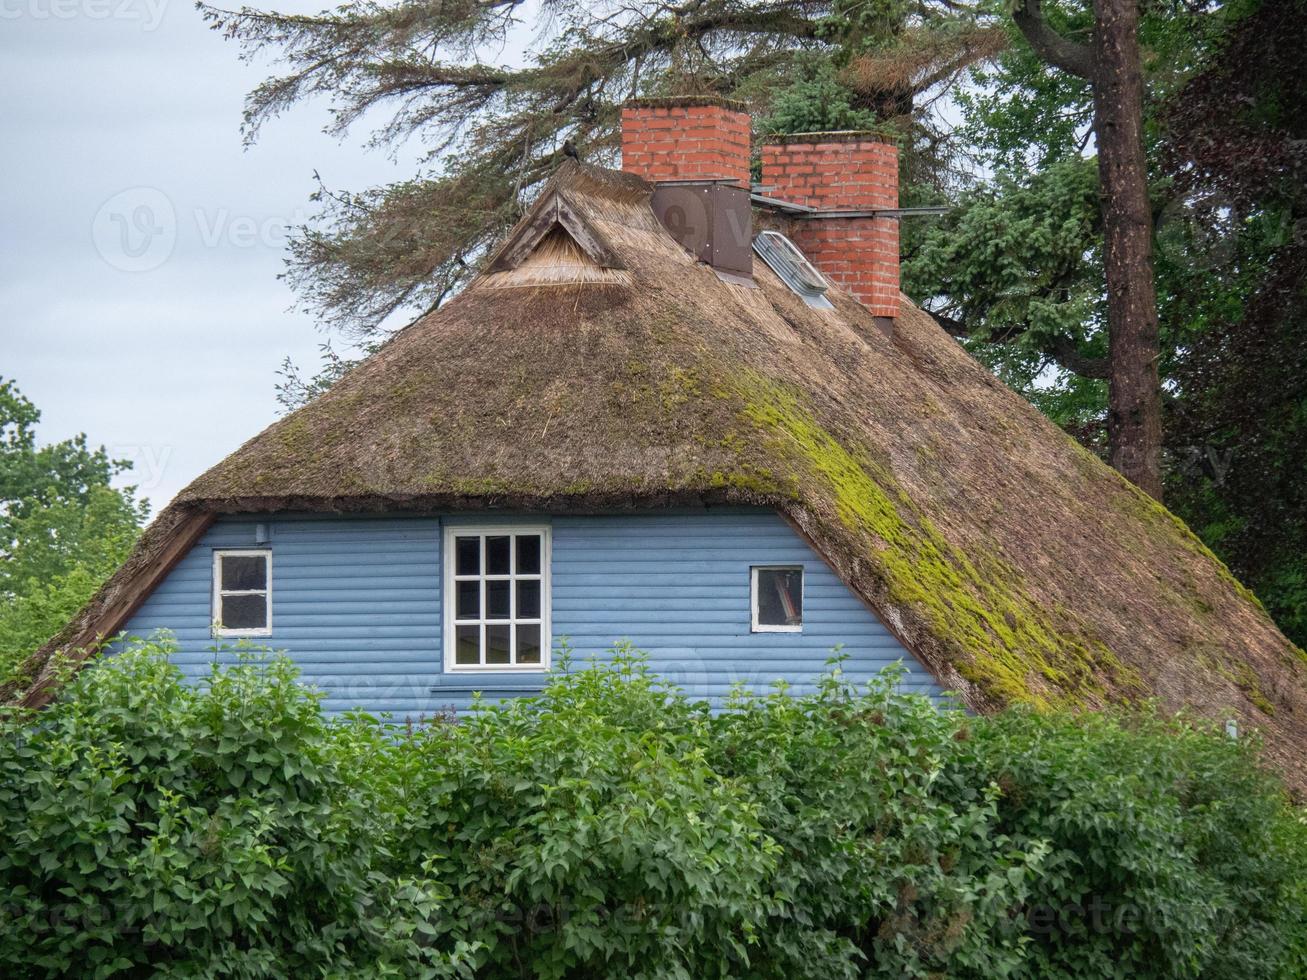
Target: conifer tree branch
<point x="1071" y="57"/>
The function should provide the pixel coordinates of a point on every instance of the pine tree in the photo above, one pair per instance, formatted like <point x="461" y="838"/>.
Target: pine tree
<point x="1111" y="62"/>
<point x="494" y="133"/>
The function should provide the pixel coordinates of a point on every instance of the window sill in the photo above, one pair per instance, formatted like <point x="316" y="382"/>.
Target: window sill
<point x="240" y="634"/>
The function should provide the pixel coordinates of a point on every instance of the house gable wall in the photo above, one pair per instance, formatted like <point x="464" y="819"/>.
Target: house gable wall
<point x="357" y="604"/>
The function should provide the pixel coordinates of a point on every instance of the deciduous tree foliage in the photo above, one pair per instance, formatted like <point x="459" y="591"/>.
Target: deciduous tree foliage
<point x="611" y="828"/>
<point x="63" y="528"/>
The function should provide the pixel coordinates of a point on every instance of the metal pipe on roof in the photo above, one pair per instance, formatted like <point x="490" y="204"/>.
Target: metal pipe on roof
<point x="778" y="205"/>
<point x="886" y="212"/>
<point x="806" y="211"/>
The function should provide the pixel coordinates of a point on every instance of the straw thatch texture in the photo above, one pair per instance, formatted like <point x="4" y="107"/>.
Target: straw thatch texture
<point x="1013" y="563"/>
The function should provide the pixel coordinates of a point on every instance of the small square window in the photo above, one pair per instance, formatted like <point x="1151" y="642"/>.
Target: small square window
<point x="469" y="600"/>
<point x="497" y="598"/>
<point x="498" y="595"/>
<point x="778" y="600"/>
<point x="242" y="593"/>
<point x="244" y="612"/>
<point x="499" y="644"/>
<point x="528" y="599"/>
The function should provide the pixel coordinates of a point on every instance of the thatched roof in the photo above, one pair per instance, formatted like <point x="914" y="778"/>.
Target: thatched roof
<point x="604" y="368"/>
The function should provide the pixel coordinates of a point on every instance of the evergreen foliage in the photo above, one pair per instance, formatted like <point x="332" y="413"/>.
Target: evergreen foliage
<point x="1226" y="161"/>
<point x="815" y="102"/>
<point x="494" y="132"/>
<point x="1235" y="144"/>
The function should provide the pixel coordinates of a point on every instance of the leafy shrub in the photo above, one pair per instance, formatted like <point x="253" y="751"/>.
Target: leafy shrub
<point x="884" y="871"/>
<point x="585" y="831"/>
<point x="610" y="827"/>
<point x="1171" y="854"/>
<point x="199" y="832"/>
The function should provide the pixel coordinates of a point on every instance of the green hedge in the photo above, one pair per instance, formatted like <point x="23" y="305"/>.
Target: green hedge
<point x="610" y="827"/>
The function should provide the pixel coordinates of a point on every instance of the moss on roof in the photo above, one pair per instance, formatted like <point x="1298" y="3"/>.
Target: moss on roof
<point x="1009" y="646"/>
<point x="1013" y="563"/>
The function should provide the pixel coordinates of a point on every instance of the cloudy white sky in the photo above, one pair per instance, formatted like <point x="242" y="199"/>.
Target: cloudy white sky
<point x="139" y="242"/>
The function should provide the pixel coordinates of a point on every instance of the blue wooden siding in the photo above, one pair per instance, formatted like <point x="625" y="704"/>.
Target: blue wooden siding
<point x="357" y="604"/>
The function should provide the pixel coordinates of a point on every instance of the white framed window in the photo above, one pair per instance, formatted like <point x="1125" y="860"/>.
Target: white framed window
<point x="242" y="592"/>
<point x="777" y="598"/>
<point x="496" y="598"/>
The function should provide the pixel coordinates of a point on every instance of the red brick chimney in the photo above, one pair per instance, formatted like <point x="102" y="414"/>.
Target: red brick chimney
<point x="849" y="171"/>
<point x="696" y="152"/>
<point x="691" y="138"/>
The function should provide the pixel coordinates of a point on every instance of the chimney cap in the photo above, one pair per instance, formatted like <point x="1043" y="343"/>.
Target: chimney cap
<point x="686" y="102"/>
<point x="836" y="136"/>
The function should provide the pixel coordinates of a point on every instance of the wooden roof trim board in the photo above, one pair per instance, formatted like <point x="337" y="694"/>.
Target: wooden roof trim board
<point x="554" y="211"/>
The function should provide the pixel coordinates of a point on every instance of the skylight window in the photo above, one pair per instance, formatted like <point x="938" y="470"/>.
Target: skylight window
<point x="784" y="258"/>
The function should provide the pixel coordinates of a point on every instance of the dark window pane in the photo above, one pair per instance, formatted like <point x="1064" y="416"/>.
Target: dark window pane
<point x="469" y="556"/>
<point x="528" y="644"/>
<point x="497" y="594"/>
<point x="497" y="555"/>
<point x="528" y="600"/>
<point x="469" y="600"/>
<point x="467" y="644"/>
<point x="244" y="612"/>
<point x="243" y="572"/>
<point x="528" y="554"/>
<point x="497" y="643"/>
<point x="780" y="597"/>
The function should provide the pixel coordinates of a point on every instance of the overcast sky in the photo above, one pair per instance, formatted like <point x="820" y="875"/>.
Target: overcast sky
<point x="140" y="246"/>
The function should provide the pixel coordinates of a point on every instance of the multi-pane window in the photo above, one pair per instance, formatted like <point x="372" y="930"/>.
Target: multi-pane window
<point x="497" y="598"/>
<point x="778" y="599"/>
<point x="242" y="593"/>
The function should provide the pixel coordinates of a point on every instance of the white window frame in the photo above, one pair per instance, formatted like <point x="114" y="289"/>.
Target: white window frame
<point x="219" y="592"/>
<point x="450" y="558"/>
<point x="758" y="627"/>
